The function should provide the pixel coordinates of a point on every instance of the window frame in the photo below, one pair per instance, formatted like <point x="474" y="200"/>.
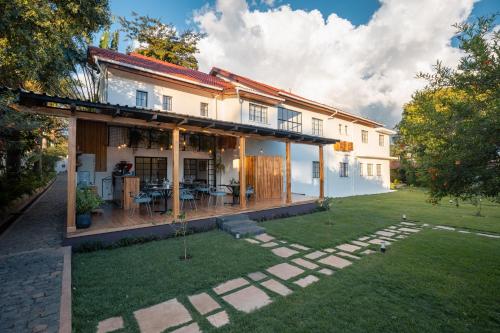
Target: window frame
<point x="142" y="175"/>
<point x="252" y="113"/>
<point x="344" y="169"/>
<point x="369" y="169"/>
<point x="361" y="165"/>
<point x="340" y="128"/>
<point x="315" y="170"/>
<point x="166" y="106"/>
<point x="317" y="126"/>
<point x="291" y="125"/>
<point x="381" y="140"/>
<point x="137" y="98"/>
<point x="364" y="136"/>
<point x="378" y="168"/>
<point x="203" y="109"/>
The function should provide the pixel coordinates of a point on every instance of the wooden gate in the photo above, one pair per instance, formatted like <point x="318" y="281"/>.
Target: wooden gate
<point x="265" y="174"/>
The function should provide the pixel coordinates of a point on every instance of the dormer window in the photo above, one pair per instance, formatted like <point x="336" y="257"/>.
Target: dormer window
<point x="141" y="99"/>
<point x="204" y="109"/>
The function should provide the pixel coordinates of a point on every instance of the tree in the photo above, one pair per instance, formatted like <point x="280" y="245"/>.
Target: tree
<point x="162" y="41"/>
<point x="450" y="131"/>
<point x="115" y="40"/>
<point x="104" y="41"/>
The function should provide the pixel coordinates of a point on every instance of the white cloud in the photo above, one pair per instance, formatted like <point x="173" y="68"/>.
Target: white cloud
<point x="368" y="69"/>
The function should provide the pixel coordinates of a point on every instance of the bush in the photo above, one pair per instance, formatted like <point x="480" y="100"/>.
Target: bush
<point x="87" y="200"/>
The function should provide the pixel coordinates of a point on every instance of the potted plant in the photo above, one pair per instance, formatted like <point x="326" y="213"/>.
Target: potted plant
<point x="86" y="201"/>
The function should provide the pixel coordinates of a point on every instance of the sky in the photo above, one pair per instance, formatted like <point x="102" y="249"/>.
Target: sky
<point x="359" y="55"/>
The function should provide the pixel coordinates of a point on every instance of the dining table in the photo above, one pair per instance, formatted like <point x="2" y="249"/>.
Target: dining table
<point x="166" y="190"/>
<point x="234" y="189"/>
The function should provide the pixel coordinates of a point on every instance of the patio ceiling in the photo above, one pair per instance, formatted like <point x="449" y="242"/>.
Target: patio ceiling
<point x="64" y="107"/>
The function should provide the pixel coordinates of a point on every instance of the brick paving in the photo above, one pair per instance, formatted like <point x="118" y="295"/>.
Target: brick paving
<point x="31" y="263"/>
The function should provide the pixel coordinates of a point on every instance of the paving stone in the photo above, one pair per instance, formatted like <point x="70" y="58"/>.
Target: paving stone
<point x="409" y="229"/>
<point x="159" y="317"/>
<point x="284" y="252"/>
<point x="388" y="239"/>
<point x="347" y="255"/>
<point x="191" y="328"/>
<point x="407" y="223"/>
<point x="305" y="281"/>
<point x="377" y="241"/>
<point x="487" y="235"/>
<point x="445" y="227"/>
<point x="385" y="233"/>
<point x="464" y="231"/>
<point x="203" y="303"/>
<point x="358" y="243"/>
<point x="329" y="250"/>
<point x="363" y="238"/>
<point x="39" y="328"/>
<point x="264" y="238"/>
<point x="392" y="227"/>
<point x="315" y="255"/>
<point x="219" y="319"/>
<point x="348" y="247"/>
<point x="285" y="271"/>
<point x="257" y="276"/>
<point x="276" y="287"/>
<point x="110" y="325"/>
<point x="326" y="271"/>
<point x="283" y="241"/>
<point x="252" y="241"/>
<point x="269" y="244"/>
<point x="305" y="263"/>
<point x="368" y="251"/>
<point x="401" y="236"/>
<point x="300" y="247"/>
<point x="248" y="299"/>
<point x="230" y="285"/>
<point x="335" y="261"/>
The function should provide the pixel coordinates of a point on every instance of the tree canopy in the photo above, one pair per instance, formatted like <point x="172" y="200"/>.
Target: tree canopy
<point x="449" y="135"/>
<point x="162" y="41"/>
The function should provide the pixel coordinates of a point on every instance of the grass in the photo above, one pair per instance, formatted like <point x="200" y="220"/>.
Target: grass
<point x="435" y="281"/>
<point x="353" y="217"/>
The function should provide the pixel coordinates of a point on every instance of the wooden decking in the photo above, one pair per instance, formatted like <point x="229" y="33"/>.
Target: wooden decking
<point x="116" y="219"/>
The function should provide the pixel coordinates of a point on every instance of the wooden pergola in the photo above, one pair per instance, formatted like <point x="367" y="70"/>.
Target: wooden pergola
<point x="74" y="109"/>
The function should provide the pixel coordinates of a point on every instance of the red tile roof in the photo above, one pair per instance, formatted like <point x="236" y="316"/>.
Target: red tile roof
<point x="152" y="64"/>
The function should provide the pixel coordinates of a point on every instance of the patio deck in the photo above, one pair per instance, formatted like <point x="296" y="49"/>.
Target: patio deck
<point x="114" y="218"/>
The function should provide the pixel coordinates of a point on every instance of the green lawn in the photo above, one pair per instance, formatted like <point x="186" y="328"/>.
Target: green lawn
<point x="434" y="281"/>
<point x="353" y="217"/>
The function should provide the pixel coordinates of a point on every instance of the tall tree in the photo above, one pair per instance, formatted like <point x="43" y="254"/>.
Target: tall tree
<point x="450" y="131"/>
<point x="115" y="40"/>
<point x="104" y="41"/>
<point x="162" y="41"/>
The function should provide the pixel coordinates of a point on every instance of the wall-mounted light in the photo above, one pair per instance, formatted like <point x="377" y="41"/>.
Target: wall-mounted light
<point x="236" y="163"/>
<point x="261" y="151"/>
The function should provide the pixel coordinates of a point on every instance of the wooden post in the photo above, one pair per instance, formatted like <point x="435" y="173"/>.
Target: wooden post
<point x="175" y="172"/>
<point x="288" y="174"/>
<point x="71" y="208"/>
<point x="321" y="174"/>
<point x="243" y="174"/>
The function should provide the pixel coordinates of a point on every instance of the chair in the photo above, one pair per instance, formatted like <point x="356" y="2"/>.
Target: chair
<point x="203" y="190"/>
<point x="250" y="191"/>
<point x="216" y="194"/>
<point x="155" y="195"/>
<point x="186" y="194"/>
<point x="142" y="198"/>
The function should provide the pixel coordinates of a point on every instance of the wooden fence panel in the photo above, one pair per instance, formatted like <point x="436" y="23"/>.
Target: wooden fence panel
<point x="92" y="138"/>
<point x="265" y="174"/>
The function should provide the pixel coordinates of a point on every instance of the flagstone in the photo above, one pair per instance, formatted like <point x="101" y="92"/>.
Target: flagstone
<point x="264" y="238"/>
<point x="464" y="231"/>
<point x="326" y="271"/>
<point x="401" y="236"/>
<point x="388" y="239"/>
<point x="385" y="233"/>
<point x="409" y="229"/>
<point x="305" y="281"/>
<point x="203" y="303"/>
<point x="445" y="227"/>
<point x="252" y="241"/>
<point x="257" y="276"/>
<point x="363" y="244"/>
<point x="348" y="247"/>
<point x="392" y="227"/>
<point x="276" y="287"/>
<point x="248" y="299"/>
<point x="269" y="244"/>
<point x="283" y="241"/>
<point x="159" y="317"/>
<point x="408" y="223"/>
<point x="285" y="271"/>
<point x="299" y="247"/>
<point x="219" y="319"/>
<point x="347" y="255"/>
<point x="191" y="328"/>
<point x="329" y="250"/>
<point x="284" y="252"/>
<point x="335" y="261"/>
<point x="363" y="238"/>
<point x="230" y="285"/>
<point x="368" y="251"/>
<point x="315" y="255"/>
<point x="377" y="241"/>
<point x="110" y="325"/>
<point x="487" y="235"/>
<point x="305" y="263"/>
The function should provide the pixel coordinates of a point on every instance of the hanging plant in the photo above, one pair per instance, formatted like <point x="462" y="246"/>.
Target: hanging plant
<point x="219" y="165"/>
<point x="135" y="137"/>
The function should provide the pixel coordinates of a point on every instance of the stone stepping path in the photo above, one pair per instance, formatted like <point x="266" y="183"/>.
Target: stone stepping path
<point x="284" y="252"/>
<point x="191" y="328"/>
<point x="264" y="238"/>
<point x="285" y="271"/>
<point x="248" y="299"/>
<point x="335" y="261"/>
<point x="230" y="285"/>
<point x="269" y="244"/>
<point x="110" y="325"/>
<point x="359" y="243"/>
<point x="277" y="287"/>
<point x="347" y="255"/>
<point x="158" y="318"/>
<point x="348" y="247"/>
<point x="203" y="303"/>
<point x="300" y="247"/>
<point x="315" y="255"/>
<point x="219" y="319"/>
<point x="257" y="276"/>
<point x="306" y="281"/>
<point x="305" y="263"/>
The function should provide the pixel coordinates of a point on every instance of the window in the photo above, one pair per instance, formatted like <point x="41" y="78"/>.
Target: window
<point x="257" y="113"/>
<point x="364" y="136"/>
<point x="151" y="169"/>
<point x="370" y="169"/>
<point x="340" y="128"/>
<point x="317" y="127"/>
<point x="141" y="99"/>
<point x="167" y="103"/>
<point x="381" y="140"/>
<point x="344" y="169"/>
<point x="289" y="120"/>
<point x="361" y="172"/>
<point x="345" y="129"/>
<point x="204" y="109"/>
<point x="315" y="169"/>
<point x="379" y="170"/>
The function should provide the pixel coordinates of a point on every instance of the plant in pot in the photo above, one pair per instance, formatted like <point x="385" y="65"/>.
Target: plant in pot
<point x="86" y="201"/>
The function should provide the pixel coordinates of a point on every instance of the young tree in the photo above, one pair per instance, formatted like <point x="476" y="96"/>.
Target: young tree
<point x="114" y="40"/>
<point x="104" y="41"/>
<point x="162" y="41"/>
<point x="450" y="131"/>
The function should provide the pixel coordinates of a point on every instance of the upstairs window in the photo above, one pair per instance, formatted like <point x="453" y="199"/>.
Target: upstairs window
<point x="370" y="169"/>
<point x="204" y="109"/>
<point x="315" y="169"/>
<point x="344" y="169"/>
<point x="345" y="129"/>
<point x="364" y="136"/>
<point x="257" y="113"/>
<point x="361" y="172"/>
<point x="317" y="127"/>
<point x="381" y="140"/>
<point x="141" y="99"/>
<point x="289" y="120"/>
<point x="340" y="128"/>
<point x="379" y="170"/>
<point x="167" y="103"/>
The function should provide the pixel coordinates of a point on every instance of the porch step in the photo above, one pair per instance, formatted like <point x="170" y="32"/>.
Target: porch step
<point x="239" y="224"/>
